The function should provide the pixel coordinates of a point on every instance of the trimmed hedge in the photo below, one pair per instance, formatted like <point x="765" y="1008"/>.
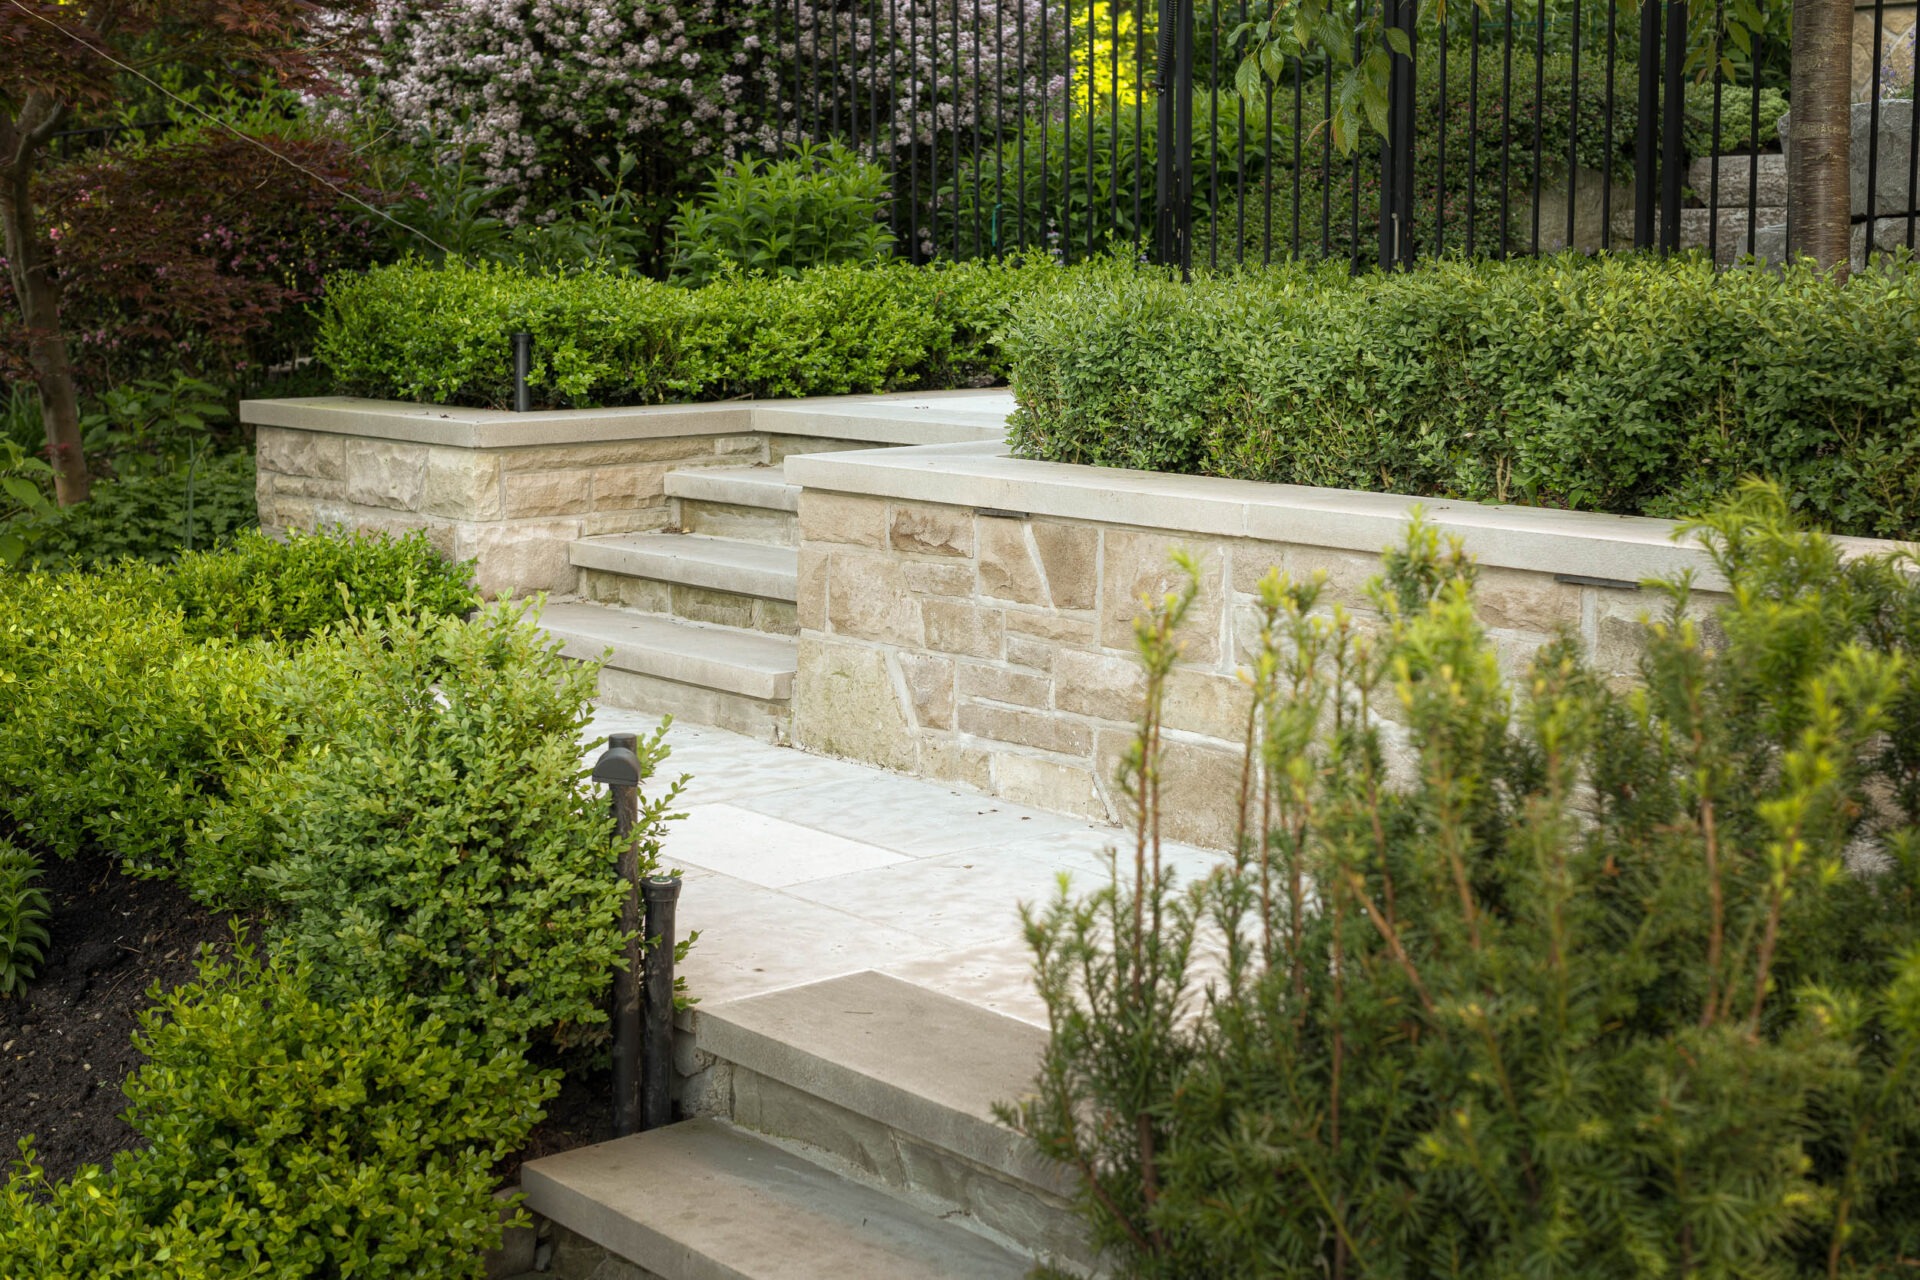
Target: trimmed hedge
<point x="1613" y="384"/>
<point x="440" y="334"/>
<point x="128" y="697"/>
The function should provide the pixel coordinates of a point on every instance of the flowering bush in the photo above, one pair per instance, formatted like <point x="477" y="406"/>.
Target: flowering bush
<point x="537" y="91"/>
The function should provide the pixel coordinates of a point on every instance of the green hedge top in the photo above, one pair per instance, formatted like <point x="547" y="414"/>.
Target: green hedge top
<point x="440" y="334"/>
<point x="1608" y="384"/>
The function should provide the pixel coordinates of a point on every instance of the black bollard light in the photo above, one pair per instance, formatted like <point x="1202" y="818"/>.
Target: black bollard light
<point x="619" y="769"/>
<point x="656" y="1067"/>
<point x="522" y="370"/>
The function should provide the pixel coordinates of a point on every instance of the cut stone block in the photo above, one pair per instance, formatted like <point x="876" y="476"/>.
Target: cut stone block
<point x="704" y="1201"/>
<point x="749" y="663"/>
<point x="695" y="560"/>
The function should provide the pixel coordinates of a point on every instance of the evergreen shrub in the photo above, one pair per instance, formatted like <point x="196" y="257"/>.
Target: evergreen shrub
<point x="441" y="334"/>
<point x="425" y="834"/>
<point x="286" y="1135"/>
<point x="1616" y="384"/>
<point x="1540" y="977"/>
<point x="129" y="697"/>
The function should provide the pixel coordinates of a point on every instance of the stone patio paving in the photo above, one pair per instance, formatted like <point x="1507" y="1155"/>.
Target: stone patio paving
<point x="800" y="868"/>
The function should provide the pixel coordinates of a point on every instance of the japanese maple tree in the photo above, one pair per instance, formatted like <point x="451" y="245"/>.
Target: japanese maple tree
<point x="61" y="59"/>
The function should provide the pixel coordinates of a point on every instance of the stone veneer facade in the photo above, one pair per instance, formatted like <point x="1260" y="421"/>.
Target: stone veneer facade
<point x="995" y="648"/>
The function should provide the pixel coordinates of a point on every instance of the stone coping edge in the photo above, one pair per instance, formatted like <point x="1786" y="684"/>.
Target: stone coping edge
<point x="1586" y="546"/>
<point x="902" y="418"/>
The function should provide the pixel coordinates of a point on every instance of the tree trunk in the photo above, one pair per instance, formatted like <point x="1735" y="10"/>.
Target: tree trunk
<point x="39" y="298"/>
<point x="1819" y="199"/>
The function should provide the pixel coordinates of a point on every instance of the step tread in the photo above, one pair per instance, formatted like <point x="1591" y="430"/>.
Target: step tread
<point x="763" y="487"/>
<point x="918" y="1061"/>
<point x="751" y="663"/>
<point x="695" y="559"/>
<point x="701" y="1200"/>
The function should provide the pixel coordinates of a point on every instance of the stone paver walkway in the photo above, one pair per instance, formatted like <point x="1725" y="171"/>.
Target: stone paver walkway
<point x="800" y="868"/>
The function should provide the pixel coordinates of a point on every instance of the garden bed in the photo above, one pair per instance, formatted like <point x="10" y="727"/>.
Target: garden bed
<point x="67" y="1044"/>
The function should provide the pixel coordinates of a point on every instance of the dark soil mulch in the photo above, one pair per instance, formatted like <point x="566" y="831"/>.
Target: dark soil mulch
<point x="67" y="1045"/>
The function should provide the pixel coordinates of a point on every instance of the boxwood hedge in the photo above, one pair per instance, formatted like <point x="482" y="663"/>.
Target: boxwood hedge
<point x="1611" y="384"/>
<point x="440" y="334"/>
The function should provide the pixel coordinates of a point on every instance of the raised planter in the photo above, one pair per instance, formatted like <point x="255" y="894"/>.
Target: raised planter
<point x="961" y="614"/>
<point x="512" y="490"/>
<point x="966" y="615"/>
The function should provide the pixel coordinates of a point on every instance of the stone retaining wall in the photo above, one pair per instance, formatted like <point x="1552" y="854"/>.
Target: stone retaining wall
<point x="510" y="491"/>
<point x="971" y="617"/>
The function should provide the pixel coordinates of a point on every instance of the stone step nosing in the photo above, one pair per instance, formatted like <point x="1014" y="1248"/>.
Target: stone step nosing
<point x="965" y="1130"/>
<point x="764" y="488"/>
<point x="760" y="665"/>
<point x="702" y="1200"/>
<point x="733" y="565"/>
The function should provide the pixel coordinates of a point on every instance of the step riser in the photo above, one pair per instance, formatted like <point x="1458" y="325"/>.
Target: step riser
<point x="758" y="718"/>
<point x="574" y="1257"/>
<point x="695" y="604"/>
<point x="1036" y="1221"/>
<point x="731" y="520"/>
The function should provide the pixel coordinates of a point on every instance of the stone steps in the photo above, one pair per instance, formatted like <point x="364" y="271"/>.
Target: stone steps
<point x="753" y="504"/>
<point x="853" y="1124"/>
<point x="755" y="569"/>
<point x="700" y="623"/>
<point x="734" y="678"/>
<point x="900" y="1083"/>
<point x="702" y="1200"/>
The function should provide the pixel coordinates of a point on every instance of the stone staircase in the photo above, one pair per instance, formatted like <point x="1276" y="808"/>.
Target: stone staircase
<point x="849" y="1136"/>
<point x="699" y="616"/>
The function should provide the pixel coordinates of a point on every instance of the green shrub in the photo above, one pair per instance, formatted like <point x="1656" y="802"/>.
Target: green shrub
<point x="1040" y="187"/>
<point x="120" y="722"/>
<point x="117" y="727"/>
<point x="256" y="586"/>
<point x="1611" y="384"/>
<point x="1555" y="979"/>
<point x="428" y="838"/>
<point x="288" y="1135"/>
<point x="414" y="332"/>
<point x="822" y="205"/>
<point x="1736" y="120"/>
<point x="147" y="517"/>
<point x="23" y="919"/>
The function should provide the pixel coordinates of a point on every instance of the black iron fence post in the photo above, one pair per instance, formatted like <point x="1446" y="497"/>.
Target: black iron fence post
<point x="1645" y="159"/>
<point x="619" y="769"/>
<point x="1163" y="78"/>
<point x="1396" y="149"/>
<point x="656" y="1068"/>
<point x="1673" y="127"/>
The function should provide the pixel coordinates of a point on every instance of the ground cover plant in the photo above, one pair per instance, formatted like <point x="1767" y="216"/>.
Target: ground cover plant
<point x="440" y="334"/>
<point x="1529" y="977"/>
<point x="1627" y="385"/>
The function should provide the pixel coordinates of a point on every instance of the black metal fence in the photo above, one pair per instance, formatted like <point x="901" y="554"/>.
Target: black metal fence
<point x="1513" y="126"/>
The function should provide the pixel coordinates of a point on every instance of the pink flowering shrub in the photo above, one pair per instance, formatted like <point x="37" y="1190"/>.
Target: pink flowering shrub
<point x="533" y="92"/>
